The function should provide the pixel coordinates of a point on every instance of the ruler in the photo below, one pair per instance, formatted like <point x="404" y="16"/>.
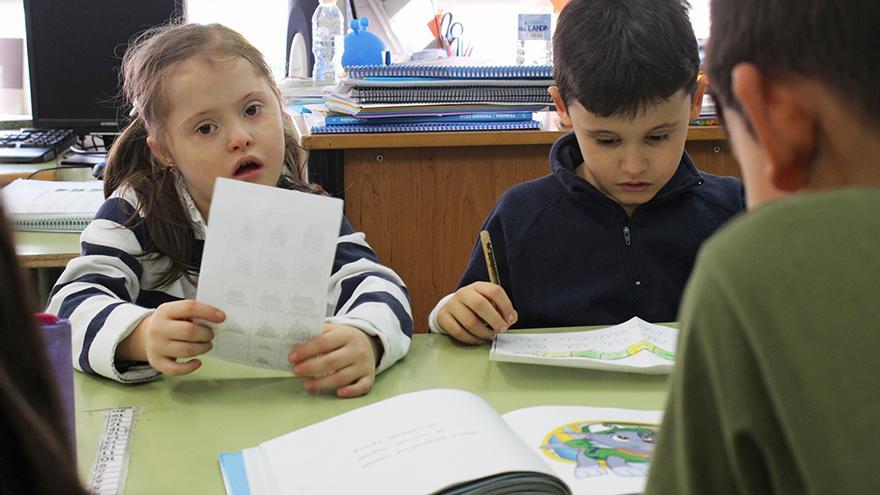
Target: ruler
<point x="111" y="459"/>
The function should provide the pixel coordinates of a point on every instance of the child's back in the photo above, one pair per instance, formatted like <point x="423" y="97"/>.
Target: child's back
<point x="614" y="231"/>
<point x="781" y="324"/>
<point x="777" y="369"/>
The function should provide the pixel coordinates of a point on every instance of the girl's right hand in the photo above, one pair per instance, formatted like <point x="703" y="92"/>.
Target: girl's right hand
<point x="171" y="333"/>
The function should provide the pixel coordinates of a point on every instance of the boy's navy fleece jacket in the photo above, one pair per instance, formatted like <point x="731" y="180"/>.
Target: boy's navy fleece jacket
<point x="569" y="255"/>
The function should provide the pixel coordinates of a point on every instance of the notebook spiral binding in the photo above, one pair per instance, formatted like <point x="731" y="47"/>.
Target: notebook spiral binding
<point x="52" y="224"/>
<point x="482" y="94"/>
<point x="452" y="72"/>
<point x="427" y="127"/>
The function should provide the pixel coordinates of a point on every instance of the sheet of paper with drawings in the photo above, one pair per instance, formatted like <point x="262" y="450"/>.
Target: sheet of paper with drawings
<point x="634" y="346"/>
<point x="266" y="263"/>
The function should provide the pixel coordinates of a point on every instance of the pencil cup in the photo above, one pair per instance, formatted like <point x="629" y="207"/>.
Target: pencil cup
<point x="56" y="339"/>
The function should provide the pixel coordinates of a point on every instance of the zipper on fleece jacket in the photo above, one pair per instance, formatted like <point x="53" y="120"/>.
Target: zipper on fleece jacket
<point x="627" y="239"/>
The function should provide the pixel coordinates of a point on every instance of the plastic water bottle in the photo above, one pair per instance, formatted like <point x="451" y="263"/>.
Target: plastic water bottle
<point x="534" y="43"/>
<point x="328" y="29"/>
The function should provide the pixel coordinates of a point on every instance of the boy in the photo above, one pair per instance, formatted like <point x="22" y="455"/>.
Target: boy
<point x="777" y="368"/>
<point x="614" y="231"/>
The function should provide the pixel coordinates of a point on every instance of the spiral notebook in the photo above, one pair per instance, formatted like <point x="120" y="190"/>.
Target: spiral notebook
<point x="452" y="94"/>
<point x="426" y="127"/>
<point x="52" y="206"/>
<point x="345" y="105"/>
<point x="451" y="71"/>
<point x="466" y="117"/>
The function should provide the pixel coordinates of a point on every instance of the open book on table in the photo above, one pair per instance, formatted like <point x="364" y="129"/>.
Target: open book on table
<point x="634" y="346"/>
<point x="452" y="442"/>
<point x="52" y="206"/>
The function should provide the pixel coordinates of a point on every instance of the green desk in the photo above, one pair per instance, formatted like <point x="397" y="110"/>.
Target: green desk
<point x="46" y="249"/>
<point x="45" y="254"/>
<point x="185" y="422"/>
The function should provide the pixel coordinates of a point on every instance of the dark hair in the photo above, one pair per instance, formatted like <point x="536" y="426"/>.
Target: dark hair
<point x="145" y="67"/>
<point x="617" y="57"/>
<point x="35" y="451"/>
<point x="832" y="41"/>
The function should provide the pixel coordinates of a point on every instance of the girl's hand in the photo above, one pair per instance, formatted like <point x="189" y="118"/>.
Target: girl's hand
<point x="170" y="334"/>
<point x="341" y="359"/>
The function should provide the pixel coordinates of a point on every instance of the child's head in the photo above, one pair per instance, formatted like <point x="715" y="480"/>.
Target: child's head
<point x="797" y="80"/>
<point x="209" y="105"/>
<point x="204" y="106"/>
<point x="626" y="81"/>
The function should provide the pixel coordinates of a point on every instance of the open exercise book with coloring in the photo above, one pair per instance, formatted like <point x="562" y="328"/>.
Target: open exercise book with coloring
<point x="452" y="442"/>
<point x="266" y="263"/>
<point x="634" y="346"/>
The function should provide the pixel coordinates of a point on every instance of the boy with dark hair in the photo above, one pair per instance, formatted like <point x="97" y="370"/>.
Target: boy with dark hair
<point x="777" y="366"/>
<point x="613" y="232"/>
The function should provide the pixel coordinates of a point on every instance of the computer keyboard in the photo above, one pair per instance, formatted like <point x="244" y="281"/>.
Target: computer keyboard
<point x="34" y="145"/>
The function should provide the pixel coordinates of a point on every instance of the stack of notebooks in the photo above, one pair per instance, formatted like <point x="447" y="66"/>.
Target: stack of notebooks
<point x="708" y="114"/>
<point x="419" y="98"/>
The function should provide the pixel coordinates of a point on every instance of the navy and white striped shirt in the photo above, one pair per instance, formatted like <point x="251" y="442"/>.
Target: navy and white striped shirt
<point x="111" y="287"/>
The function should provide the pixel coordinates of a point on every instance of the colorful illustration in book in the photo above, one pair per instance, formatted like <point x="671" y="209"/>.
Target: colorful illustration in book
<point x="642" y="345"/>
<point x="597" y="448"/>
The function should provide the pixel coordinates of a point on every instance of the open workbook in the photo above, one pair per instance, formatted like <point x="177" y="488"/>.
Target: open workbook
<point x="634" y="346"/>
<point x="52" y="206"/>
<point x="452" y="442"/>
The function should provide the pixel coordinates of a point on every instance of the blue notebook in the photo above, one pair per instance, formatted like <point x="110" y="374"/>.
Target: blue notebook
<point x="451" y="71"/>
<point x="427" y="127"/>
<point x="234" y="474"/>
<point x="467" y="117"/>
<point x="452" y="94"/>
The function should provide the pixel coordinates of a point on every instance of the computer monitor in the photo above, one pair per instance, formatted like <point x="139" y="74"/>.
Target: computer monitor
<point x="75" y="48"/>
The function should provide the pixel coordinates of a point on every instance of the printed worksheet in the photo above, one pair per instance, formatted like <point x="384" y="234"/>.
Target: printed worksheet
<point x="267" y="261"/>
<point x="634" y="346"/>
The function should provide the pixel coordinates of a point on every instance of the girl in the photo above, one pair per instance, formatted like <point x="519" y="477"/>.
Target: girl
<point x="205" y="106"/>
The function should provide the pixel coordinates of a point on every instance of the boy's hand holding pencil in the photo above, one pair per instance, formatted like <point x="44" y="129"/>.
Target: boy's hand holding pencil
<point x="476" y="312"/>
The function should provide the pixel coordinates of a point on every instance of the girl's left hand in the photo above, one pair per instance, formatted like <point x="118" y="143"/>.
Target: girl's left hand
<point x="342" y="358"/>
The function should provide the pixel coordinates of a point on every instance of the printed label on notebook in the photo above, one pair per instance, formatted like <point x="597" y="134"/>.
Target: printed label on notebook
<point x="534" y="27"/>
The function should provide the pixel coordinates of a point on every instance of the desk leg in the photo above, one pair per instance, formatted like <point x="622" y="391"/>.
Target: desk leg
<point x="326" y="168"/>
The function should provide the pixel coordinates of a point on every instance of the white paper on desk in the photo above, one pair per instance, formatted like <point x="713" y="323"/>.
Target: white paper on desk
<point x="634" y="346"/>
<point x="266" y="263"/>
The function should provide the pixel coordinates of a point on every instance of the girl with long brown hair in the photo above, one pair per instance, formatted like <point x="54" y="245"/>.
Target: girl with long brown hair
<point x="205" y="106"/>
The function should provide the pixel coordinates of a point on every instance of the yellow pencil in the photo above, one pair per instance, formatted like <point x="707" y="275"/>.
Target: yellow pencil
<point x="489" y="253"/>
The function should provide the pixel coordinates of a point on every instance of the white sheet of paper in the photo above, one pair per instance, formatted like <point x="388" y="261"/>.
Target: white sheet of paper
<point x="632" y="433"/>
<point x="266" y="263"/>
<point x="634" y="346"/>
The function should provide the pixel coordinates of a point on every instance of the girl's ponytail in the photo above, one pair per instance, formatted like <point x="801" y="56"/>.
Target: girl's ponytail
<point x="128" y="156"/>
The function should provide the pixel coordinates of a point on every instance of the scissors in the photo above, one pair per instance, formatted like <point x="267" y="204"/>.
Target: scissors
<point x="451" y="32"/>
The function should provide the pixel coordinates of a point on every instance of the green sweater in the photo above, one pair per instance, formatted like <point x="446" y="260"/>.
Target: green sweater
<point x="777" y="383"/>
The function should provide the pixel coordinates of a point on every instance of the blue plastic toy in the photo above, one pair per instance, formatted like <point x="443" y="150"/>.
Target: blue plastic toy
<point x="361" y="47"/>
